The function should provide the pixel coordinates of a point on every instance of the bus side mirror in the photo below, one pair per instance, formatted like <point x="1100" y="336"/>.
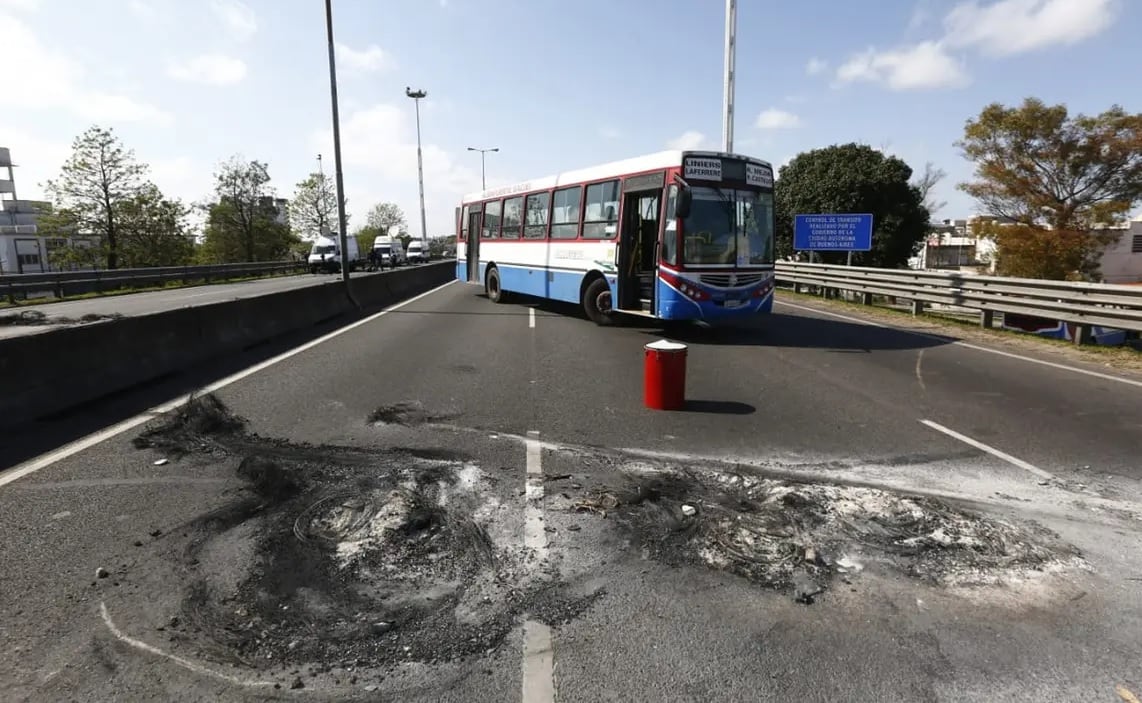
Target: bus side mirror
<point x="682" y="204"/>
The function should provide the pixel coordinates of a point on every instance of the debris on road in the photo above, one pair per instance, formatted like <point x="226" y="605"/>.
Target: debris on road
<point x="688" y="510"/>
<point x="392" y="556"/>
<point x="102" y="573"/>
<point x="161" y="462"/>
<point x="779" y="533"/>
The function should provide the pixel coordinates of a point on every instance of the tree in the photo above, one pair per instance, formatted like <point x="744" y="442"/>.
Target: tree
<point x="99" y="175"/>
<point x="1056" y="180"/>
<point x="313" y="210"/>
<point x="853" y="178"/>
<point x="225" y="243"/>
<point x="926" y="183"/>
<point x="153" y="230"/>
<point x="245" y="207"/>
<point x="385" y="216"/>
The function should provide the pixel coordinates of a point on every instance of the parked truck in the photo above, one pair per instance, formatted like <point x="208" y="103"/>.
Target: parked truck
<point x="325" y="256"/>
<point x="390" y="251"/>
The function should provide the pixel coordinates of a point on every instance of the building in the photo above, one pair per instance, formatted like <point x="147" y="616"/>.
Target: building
<point x="279" y="206"/>
<point x="1122" y="259"/>
<point x="22" y="248"/>
<point x="953" y="244"/>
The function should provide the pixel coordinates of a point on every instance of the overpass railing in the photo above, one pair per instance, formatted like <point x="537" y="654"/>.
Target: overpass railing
<point x="67" y="283"/>
<point x="1084" y="305"/>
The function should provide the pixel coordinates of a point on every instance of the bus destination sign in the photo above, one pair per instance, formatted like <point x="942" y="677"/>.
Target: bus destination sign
<point x="758" y="175"/>
<point x="702" y="169"/>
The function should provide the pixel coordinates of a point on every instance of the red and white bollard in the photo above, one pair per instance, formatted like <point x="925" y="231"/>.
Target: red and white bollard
<point x="664" y="375"/>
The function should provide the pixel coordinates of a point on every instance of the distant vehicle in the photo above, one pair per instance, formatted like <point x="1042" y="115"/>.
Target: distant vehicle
<point x="391" y="250"/>
<point x="416" y="252"/>
<point x="676" y="235"/>
<point x="325" y="256"/>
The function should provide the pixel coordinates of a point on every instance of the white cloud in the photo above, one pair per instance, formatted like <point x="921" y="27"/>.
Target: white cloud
<point x="18" y="5"/>
<point x="371" y="58"/>
<point x="59" y="82"/>
<point x="609" y="132"/>
<point x="922" y="66"/>
<point x="777" y="119"/>
<point x="382" y="160"/>
<point x="237" y="17"/>
<point x="816" y="66"/>
<point x="1015" y="26"/>
<point x="209" y="69"/>
<point x="691" y="139"/>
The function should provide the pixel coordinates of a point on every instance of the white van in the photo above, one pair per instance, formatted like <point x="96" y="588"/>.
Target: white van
<point x="391" y="251"/>
<point x="326" y="254"/>
<point x="417" y="253"/>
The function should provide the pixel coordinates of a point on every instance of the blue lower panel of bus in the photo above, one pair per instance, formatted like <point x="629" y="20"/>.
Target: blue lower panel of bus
<point x="672" y="305"/>
<point x="554" y="284"/>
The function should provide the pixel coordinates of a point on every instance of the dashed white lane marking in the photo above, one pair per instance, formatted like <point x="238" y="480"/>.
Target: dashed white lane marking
<point x="966" y="345"/>
<point x="185" y="663"/>
<point x="990" y="450"/>
<point x="45" y="460"/>
<point x="531" y="318"/>
<point x="538" y="658"/>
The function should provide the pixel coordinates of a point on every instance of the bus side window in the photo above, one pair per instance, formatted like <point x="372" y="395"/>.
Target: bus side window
<point x="670" y="232"/>
<point x="491" y="229"/>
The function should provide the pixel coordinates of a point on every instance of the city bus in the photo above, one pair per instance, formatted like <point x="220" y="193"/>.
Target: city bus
<point x="675" y="235"/>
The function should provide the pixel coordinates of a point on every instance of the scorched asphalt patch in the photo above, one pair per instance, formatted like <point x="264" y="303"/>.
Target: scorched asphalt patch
<point x="789" y="535"/>
<point x="362" y="558"/>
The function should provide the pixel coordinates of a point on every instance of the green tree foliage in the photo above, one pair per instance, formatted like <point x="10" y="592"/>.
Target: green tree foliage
<point x="1057" y="178"/>
<point x="95" y="180"/>
<point x="854" y="178"/>
<point x="313" y="209"/>
<point x="242" y="223"/>
<point x="224" y="242"/>
<point x="385" y="216"/>
<point x="153" y="231"/>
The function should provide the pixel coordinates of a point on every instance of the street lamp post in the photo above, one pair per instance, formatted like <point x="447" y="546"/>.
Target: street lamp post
<point x="728" y="96"/>
<point x="483" y="178"/>
<point x="337" y="148"/>
<point x="416" y="95"/>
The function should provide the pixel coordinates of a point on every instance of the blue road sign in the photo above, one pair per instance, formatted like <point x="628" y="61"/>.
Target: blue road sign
<point x="839" y="232"/>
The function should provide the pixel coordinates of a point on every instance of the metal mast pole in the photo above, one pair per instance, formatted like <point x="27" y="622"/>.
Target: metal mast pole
<point x="731" y="49"/>
<point x="337" y="147"/>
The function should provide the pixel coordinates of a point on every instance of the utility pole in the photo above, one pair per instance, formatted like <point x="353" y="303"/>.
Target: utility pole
<point x="731" y="50"/>
<point x="416" y="95"/>
<point x="483" y="175"/>
<point x="344" y="236"/>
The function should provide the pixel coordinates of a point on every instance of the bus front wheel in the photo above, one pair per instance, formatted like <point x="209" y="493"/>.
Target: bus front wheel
<point x="597" y="302"/>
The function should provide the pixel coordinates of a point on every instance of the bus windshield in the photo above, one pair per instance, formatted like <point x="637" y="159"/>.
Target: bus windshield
<point x="728" y="227"/>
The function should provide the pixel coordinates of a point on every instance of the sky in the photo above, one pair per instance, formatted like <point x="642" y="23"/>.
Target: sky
<point x="555" y="86"/>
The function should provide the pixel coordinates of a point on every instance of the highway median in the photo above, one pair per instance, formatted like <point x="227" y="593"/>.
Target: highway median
<point x="54" y="371"/>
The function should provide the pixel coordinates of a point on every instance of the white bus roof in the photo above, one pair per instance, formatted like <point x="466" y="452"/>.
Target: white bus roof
<point x="649" y="162"/>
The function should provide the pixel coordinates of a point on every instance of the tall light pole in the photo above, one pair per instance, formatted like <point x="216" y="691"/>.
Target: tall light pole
<point x="731" y="50"/>
<point x="337" y="147"/>
<point x="483" y="178"/>
<point x="416" y="95"/>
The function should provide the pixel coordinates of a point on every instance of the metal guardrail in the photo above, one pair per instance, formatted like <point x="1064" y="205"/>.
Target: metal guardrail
<point x="65" y="283"/>
<point x="1082" y="304"/>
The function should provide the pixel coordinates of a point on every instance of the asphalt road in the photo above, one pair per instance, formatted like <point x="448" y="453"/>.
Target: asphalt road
<point x="43" y="318"/>
<point x="527" y="421"/>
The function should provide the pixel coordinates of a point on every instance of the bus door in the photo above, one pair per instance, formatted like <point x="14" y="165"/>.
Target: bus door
<point x="473" y="244"/>
<point x="638" y="241"/>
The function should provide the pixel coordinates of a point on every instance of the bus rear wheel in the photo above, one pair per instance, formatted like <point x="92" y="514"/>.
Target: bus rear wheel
<point x="492" y="286"/>
<point x="597" y="302"/>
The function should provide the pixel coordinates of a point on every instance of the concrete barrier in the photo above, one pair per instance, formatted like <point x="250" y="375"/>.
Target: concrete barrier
<point x="52" y="371"/>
